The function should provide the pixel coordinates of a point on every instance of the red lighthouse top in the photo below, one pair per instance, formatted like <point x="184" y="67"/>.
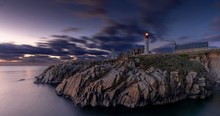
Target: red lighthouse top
<point x="146" y="35"/>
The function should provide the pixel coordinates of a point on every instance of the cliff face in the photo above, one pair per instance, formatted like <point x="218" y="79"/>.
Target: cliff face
<point x="211" y="61"/>
<point x="132" y="82"/>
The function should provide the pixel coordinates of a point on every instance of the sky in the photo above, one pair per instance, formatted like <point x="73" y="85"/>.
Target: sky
<point x="47" y="31"/>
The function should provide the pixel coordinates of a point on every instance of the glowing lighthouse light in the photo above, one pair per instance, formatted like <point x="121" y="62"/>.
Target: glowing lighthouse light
<point x="146" y="45"/>
<point x="146" y="35"/>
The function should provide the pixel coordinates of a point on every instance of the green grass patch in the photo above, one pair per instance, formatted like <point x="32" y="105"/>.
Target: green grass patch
<point x="169" y="62"/>
<point x="185" y="56"/>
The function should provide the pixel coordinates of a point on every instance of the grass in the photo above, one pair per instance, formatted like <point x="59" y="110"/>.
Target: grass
<point x="192" y="55"/>
<point x="185" y="56"/>
<point x="169" y="62"/>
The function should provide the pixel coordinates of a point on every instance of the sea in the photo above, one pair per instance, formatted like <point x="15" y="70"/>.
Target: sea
<point x="19" y="96"/>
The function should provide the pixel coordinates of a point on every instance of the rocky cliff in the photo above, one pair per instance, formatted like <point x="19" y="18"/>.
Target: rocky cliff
<point x="210" y="59"/>
<point x="132" y="82"/>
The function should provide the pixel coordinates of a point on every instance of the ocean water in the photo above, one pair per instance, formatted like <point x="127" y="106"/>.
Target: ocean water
<point x="24" y="98"/>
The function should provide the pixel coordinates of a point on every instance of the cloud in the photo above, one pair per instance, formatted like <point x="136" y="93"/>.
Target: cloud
<point x="6" y="48"/>
<point x="88" y="8"/>
<point x="122" y="36"/>
<point x="40" y="59"/>
<point x="151" y="15"/>
<point x="119" y="36"/>
<point x="123" y="43"/>
<point x="212" y="38"/>
<point x="215" y="25"/>
<point x="114" y="28"/>
<point x="64" y="44"/>
<point x="62" y="48"/>
<point x="71" y="29"/>
<point x="184" y="38"/>
<point x="94" y="7"/>
<point x="70" y="39"/>
<point x="9" y="56"/>
<point x="155" y="13"/>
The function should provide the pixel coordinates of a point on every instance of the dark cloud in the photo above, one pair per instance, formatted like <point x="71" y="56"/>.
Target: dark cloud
<point x="212" y="38"/>
<point x="122" y="36"/>
<point x="10" y="52"/>
<point x="70" y="39"/>
<point x="88" y="8"/>
<point x="155" y="13"/>
<point x="69" y="45"/>
<point x="71" y="29"/>
<point x="119" y="36"/>
<point x="115" y="28"/>
<point x="7" y="48"/>
<point x="95" y="7"/>
<point x="184" y="38"/>
<point x="149" y="15"/>
<point x="9" y="56"/>
<point x="61" y="49"/>
<point x="215" y="25"/>
<point x="123" y="43"/>
<point x="40" y="59"/>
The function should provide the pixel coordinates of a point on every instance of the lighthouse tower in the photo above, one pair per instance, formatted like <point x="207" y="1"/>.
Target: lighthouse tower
<point x="146" y="45"/>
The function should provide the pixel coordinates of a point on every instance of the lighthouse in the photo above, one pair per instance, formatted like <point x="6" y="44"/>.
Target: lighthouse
<point x="146" y="45"/>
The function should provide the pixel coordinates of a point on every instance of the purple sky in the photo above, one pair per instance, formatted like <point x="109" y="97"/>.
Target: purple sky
<point x="55" y="30"/>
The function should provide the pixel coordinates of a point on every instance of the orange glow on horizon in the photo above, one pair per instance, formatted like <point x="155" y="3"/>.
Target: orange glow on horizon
<point x="12" y="61"/>
<point x="91" y="55"/>
<point x="51" y="56"/>
<point x="73" y="57"/>
<point x="28" y="55"/>
<point x="14" y="37"/>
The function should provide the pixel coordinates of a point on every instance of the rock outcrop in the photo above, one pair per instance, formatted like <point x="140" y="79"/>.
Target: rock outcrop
<point x="210" y="59"/>
<point x="55" y="74"/>
<point x="133" y="52"/>
<point x="132" y="82"/>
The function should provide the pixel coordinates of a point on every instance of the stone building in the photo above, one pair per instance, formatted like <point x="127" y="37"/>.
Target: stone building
<point x="191" y="47"/>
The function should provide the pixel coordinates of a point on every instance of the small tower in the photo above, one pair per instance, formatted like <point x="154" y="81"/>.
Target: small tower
<point x="146" y="45"/>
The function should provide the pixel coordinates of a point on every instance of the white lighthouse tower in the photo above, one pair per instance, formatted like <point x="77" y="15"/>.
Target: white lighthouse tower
<point x="146" y="45"/>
